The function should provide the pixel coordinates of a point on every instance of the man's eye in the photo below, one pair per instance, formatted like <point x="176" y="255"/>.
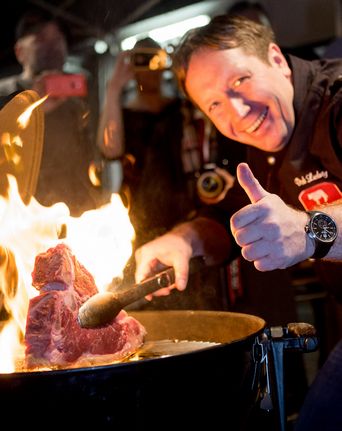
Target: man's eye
<point x="239" y="81"/>
<point x="213" y="106"/>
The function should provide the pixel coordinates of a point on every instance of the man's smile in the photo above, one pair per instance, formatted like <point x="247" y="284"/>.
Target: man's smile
<point x="258" y="122"/>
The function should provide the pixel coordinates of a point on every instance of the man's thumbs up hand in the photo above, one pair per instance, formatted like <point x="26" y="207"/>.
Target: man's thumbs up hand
<point x="250" y="184"/>
<point x="269" y="232"/>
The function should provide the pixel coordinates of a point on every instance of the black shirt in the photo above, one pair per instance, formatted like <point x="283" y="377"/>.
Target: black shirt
<point x="308" y="171"/>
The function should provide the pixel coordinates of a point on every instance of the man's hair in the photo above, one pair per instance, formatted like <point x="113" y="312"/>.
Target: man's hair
<point x="32" y="21"/>
<point x="223" y="32"/>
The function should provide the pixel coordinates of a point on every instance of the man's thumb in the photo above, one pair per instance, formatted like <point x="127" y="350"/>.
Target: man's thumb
<point x="249" y="183"/>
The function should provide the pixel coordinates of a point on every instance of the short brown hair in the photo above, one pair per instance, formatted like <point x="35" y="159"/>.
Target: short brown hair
<point x="222" y="32"/>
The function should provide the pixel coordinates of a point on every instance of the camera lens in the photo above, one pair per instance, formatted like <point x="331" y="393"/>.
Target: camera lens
<point x="150" y="59"/>
<point x="210" y="184"/>
<point x="141" y="60"/>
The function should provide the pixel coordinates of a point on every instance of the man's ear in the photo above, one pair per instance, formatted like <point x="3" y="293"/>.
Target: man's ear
<point x="278" y="60"/>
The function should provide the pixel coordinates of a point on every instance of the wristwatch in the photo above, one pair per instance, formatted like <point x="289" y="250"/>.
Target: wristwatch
<point x="323" y="230"/>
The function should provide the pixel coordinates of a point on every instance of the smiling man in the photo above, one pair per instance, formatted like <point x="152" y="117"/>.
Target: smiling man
<point x="288" y="112"/>
<point x="251" y="101"/>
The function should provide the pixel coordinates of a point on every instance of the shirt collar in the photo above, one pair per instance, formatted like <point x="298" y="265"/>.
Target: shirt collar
<point x="302" y="75"/>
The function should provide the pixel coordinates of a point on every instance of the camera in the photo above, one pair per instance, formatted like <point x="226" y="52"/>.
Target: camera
<point x="66" y="85"/>
<point x="213" y="183"/>
<point x="151" y="59"/>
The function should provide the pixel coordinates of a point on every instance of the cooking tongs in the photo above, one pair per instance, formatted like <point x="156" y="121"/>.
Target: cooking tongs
<point x="102" y="308"/>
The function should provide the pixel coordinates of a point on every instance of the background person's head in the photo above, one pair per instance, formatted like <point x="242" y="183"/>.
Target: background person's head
<point x="147" y="61"/>
<point x="41" y="43"/>
<point x="223" y="32"/>
<point x="253" y="11"/>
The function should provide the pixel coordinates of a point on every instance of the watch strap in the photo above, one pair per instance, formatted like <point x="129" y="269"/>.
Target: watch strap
<point x="321" y="249"/>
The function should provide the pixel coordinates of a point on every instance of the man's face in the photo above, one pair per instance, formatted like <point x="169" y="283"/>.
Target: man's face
<point x="44" y="50"/>
<point x="248" y="100"/>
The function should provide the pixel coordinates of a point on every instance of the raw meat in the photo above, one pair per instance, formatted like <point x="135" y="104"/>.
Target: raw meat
<point x="53" y="335"/>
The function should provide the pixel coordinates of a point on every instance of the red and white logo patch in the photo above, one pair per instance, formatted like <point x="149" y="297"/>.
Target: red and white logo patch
<point x="320" y="194"/>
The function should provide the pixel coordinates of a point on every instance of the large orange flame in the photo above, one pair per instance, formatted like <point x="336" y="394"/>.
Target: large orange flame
<point x="101" y="239"/>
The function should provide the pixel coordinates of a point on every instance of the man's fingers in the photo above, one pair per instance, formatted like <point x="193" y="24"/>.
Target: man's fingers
<point x="249" y="183"/>
<point x="181" y="274"/>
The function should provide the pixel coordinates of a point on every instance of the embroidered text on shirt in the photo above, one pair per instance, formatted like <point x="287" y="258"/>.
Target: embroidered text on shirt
<point x="308" y="178"/>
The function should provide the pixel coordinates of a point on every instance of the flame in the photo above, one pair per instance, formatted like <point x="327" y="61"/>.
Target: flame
<point x="93" y="174"/>
<point x="24" y="118"/>
<point x="101" y="240"/>
<point x="9" y="143"/>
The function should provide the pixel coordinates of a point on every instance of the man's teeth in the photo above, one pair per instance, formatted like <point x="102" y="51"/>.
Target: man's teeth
<point x="257" y="123"/>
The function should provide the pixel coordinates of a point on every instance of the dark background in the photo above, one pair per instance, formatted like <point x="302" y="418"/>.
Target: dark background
<point x="296" y="22"/>
<point x="303" y="25"/>
<point x="84" y="18"/>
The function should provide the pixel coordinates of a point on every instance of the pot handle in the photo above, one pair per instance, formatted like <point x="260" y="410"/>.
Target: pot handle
<point x="298" y="337"/>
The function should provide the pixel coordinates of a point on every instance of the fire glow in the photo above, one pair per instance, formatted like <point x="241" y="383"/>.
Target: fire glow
<point x="101" y="239"/>
<point x="24" y="118"/>
<point x="12" y="142"/>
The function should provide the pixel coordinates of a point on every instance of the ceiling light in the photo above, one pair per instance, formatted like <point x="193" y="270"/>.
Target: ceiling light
<point x="100" y="46"/>
<point x="178" y="29"/>
<point x="128" y="43"/>
<point x="168" y="32"/>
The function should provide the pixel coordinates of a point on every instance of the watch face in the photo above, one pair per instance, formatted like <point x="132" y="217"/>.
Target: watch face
<point x="324" y="228"/>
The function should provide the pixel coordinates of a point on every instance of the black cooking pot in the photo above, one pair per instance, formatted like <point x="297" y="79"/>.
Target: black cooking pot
<point x="215" y="383"/>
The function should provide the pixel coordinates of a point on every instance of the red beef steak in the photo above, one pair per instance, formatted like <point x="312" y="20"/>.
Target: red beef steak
<point x="53" y="335"/>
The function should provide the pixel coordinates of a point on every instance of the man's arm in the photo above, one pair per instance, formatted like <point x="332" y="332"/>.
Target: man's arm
<point x="200" y="237"/>
<point x="271" y="233"/>
<point x="110" y="134"/>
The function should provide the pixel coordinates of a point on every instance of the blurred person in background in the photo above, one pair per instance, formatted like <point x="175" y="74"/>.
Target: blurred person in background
<point x="41" y="49"/>
<point x="252" y="10"/>
<point x="257" y="12"/>
<point x="158" y="136"/>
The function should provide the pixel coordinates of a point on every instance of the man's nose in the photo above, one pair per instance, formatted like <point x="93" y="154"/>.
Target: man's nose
<point x="239" y="106"/>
